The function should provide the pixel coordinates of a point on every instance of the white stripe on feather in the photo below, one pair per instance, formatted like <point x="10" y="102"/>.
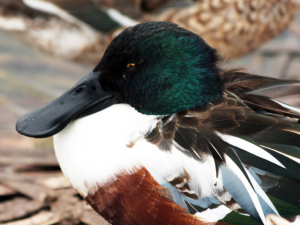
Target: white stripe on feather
<point x="260" y="192"/>
<point x="120" y="18"/>
<point x="287" y="106"/>
<point x="49" y="7"/>
<point x="214" y="215"/>
<point x="230" y="165"/>
<point x="292" y="131"/>
<point x="286" y="155"/>
<point x="55" y="10"/>
<point x="249" y="147"/>
<point x="184" y="150"/>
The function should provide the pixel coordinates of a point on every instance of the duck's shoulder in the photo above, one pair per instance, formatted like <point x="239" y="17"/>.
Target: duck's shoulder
<point x="196" y="130"/>
<point x="248" y="108"/>
<point x="252" y="134"/>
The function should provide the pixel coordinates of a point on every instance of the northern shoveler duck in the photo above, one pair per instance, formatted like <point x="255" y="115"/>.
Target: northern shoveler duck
<point x="80" y="30"/>
<point x="158" y="133"/>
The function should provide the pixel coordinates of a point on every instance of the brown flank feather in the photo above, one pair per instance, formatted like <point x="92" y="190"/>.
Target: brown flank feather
<point x="134" y="199"/>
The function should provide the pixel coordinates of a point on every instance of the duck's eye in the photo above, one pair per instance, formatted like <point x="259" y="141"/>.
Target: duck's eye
<point x="79" y="90"/>
<point x="130" y="65"/>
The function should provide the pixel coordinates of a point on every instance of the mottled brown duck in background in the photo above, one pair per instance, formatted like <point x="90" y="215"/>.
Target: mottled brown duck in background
<point x="71" y="29"/>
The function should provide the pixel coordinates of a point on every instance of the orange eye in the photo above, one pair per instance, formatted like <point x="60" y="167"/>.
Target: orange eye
<point x="130" y="65"/>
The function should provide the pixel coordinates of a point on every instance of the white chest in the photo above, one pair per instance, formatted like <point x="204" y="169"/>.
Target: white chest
<point x="94" y="149"/>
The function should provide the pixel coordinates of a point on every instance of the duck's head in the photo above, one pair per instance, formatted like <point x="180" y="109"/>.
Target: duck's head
<point x="157" y="67"/>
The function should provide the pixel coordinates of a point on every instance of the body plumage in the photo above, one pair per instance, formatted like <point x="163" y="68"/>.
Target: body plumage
<point x="141" y="148"/>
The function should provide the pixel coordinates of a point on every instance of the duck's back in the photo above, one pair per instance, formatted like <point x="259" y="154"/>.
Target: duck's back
<point x="254" y="141"/>
<point x="264" y="133"/>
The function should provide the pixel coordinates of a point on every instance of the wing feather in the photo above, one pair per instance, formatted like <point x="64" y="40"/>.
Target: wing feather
<point x="253" y="140"/>
<point x="237" y="183"/>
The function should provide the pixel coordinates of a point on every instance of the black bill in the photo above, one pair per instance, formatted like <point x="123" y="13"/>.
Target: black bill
<point x="85" y="98"/>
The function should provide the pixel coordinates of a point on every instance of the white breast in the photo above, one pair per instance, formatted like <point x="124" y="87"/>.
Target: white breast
<point x="94" y="149"/>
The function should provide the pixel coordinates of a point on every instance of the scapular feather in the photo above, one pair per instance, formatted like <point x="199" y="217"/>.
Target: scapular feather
<point x="253" y="118"/>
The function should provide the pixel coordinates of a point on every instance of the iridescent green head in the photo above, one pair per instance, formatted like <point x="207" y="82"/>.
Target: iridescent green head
<point x="156" y="67"/>
<point x="160" y="68"/>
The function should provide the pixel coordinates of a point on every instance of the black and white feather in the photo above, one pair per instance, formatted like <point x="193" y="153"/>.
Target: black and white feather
<point x="254" y="140"/>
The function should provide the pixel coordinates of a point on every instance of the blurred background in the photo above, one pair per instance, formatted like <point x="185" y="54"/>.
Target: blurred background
<point x="47" y="46"/>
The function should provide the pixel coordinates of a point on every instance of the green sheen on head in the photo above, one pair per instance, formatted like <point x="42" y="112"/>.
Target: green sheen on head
<point x="160" y="68"/>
